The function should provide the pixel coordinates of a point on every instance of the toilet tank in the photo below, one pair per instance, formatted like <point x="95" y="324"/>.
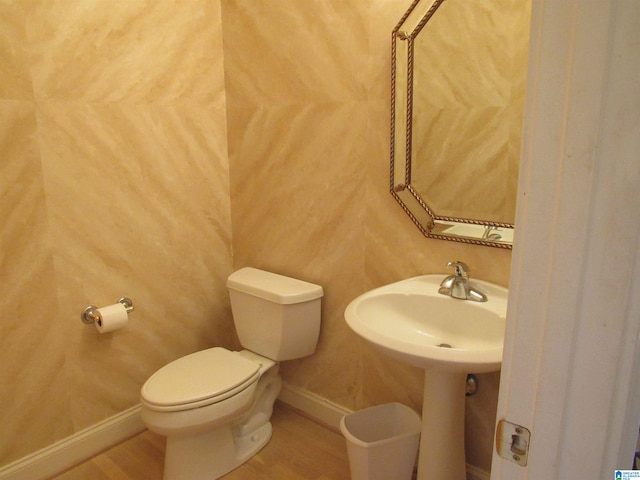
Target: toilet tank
<point x="275" y="316"/>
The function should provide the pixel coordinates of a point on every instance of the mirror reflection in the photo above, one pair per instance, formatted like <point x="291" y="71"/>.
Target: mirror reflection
<point x="459" y="87"/>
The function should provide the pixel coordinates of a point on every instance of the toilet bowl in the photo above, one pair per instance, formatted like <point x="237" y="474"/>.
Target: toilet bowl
<point x="214" y="406"/>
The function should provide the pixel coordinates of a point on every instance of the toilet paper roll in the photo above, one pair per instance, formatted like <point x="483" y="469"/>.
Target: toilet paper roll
<point x="111" y="318"/>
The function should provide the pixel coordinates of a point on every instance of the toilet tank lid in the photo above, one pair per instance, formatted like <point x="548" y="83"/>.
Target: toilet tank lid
<point x="273" y="287"/>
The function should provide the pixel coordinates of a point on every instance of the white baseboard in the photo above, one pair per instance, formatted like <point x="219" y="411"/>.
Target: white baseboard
<point x="326" y="412"/>
<point x="75" y="449"/>
<point x="475" y="473"/>
<point x="314" y="406"/>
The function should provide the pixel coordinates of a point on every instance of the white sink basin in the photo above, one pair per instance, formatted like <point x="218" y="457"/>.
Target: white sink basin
<point x="411" y="321"/>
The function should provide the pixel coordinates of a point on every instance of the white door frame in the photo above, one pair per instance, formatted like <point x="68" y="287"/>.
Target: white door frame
<point x="571" y="360"/>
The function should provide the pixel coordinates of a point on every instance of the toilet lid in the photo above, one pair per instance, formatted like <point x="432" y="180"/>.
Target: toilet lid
<point x="200" y="379"/>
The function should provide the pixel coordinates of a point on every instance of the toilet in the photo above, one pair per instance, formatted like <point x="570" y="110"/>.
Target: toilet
<point x="214" y="406"/>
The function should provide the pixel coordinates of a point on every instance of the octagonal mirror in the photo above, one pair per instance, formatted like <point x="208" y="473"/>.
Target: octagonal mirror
<point x="458" y="89"/>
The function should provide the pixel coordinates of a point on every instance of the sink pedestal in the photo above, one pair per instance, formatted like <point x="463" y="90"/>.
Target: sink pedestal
<point x="442" y="440"/>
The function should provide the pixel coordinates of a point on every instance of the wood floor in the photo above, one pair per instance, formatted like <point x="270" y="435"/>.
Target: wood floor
<point x="300" y="449"/>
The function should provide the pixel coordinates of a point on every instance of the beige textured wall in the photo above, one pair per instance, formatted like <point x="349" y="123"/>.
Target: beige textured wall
<point x="113" y="181"/>
<point x="308" y="95"/>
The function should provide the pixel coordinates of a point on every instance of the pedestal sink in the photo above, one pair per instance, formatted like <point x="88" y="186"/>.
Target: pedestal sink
<point x="450" y="338"/>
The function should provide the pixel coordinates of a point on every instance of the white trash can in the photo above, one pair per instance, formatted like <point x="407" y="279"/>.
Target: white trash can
<point x="382" y="442"/>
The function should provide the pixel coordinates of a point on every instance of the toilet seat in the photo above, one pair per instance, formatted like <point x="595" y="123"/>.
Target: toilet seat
<point x="199" y="379"/>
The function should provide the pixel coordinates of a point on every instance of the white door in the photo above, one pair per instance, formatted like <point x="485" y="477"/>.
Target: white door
<point x="571" y="364"/>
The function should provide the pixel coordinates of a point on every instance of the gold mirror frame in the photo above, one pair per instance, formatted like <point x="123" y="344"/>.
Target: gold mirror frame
<point x="432" y="225"/>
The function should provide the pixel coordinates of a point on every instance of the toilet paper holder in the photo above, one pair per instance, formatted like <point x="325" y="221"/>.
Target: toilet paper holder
<point x="89" y="314"/>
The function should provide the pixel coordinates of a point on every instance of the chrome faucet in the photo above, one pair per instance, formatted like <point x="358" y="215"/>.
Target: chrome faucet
<point x="458" y="286"/>
<point x="490" y="233"/>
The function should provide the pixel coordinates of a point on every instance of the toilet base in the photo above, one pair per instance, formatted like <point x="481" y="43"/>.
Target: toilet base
<point x="211" y="455"/>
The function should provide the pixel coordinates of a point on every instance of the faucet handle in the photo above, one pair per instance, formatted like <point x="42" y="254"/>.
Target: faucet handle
<point x="461" y="269"/>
